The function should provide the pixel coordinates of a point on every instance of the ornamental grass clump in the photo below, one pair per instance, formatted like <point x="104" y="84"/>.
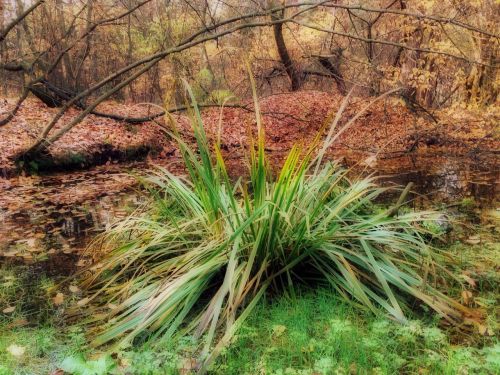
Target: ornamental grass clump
<point x="206" y="248"/>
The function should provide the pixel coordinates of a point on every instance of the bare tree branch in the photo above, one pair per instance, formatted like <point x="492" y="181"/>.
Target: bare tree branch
<point x="18" y="104"/>
<point x="389" y="43"/>
<point x="442" y="20"/>
<point x="150" y="61"/>
<point x="19" y="19"/>
<point x="210" y="32"/>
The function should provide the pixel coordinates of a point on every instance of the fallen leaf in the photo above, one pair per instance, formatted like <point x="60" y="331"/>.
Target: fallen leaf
<point x="112" y="306"/>
<point x="485" y="330"/>
<point x="58" y="299"/>
<point x="74" y="289"/>
<point x="188" y="365"/>
<point x="278" y="330"/>
<point x="473" y="240"/>
<point x="83" y="302"/>
<point x="16" y="350"/>
<point x="466" y="296"/>
<point x="9" y="309"/>
<point x="469" y="280"/>
<point x="18" y="323"/>
<point x="370" y="161"/>
<point x="31" y="242"/>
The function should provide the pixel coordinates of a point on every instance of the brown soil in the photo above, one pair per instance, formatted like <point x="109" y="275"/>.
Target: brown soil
<point x="387" y="129"/>
<point x="96" y="140"/>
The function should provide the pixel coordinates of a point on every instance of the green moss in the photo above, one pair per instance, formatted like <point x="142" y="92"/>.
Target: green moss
<point x="312" y="333"/>
<point x="318" y="333"/>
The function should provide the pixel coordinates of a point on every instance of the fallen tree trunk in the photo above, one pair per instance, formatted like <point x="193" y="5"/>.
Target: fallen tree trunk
<point x="334" y="70"/>
<point x="52" y="95"/>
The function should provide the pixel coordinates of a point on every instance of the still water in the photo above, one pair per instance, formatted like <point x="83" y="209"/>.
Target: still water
<point x="49" y="219"/>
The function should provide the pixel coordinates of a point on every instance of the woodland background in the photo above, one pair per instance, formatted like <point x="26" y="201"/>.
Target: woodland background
<point x="327" y="48"/>
<point x="88" y="92"/>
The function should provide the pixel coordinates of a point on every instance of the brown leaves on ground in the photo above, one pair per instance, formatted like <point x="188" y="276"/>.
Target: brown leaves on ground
<point x="53" y="214"/>
<point x="94" y="138"/>
<point x="387" y="128"/>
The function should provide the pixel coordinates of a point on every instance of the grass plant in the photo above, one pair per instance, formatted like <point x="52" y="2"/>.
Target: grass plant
<point x="206" y="249"/>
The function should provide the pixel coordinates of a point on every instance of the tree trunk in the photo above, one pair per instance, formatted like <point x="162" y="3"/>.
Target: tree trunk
<point x="334" y="70"/>
<point x="480" y="84"/>
<point x="292" y="72"/>
<point x="3" y="74"/>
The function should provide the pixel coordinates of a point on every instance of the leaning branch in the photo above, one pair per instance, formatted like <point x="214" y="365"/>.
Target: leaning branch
<point x="13" y="111"/>
<point x="394" y="44"/>
<point x="140" y="120"/>
<point x="43" y="141"/>
<point x="441" y="20"/>
<point x="149" y="62"/>
<point x="19" y="19"/>
<point x="182" y="108"/>
<point x="193" y="40"/>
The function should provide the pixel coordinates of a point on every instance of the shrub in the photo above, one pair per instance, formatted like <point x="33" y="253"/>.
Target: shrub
<point x="205" y="249"/>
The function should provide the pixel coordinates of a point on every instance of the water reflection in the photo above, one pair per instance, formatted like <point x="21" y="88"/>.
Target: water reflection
<point x="445" y="179"/>
<point x="59" y="214"/>
<point x="42" y="217"/>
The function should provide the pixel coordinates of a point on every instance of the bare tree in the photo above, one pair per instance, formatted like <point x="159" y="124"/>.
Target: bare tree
<point x="20" y="17"/>
<point x="106" y="80"/>
<point x="290" y="67"/>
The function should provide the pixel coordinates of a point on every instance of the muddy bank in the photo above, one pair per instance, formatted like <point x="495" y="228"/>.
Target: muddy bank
<point x="55" y="216"/>
<point x="94" y="141"/>
<point x="387" y="129"/>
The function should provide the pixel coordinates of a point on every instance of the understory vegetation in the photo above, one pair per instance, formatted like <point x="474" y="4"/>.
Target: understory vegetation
<point x="205" y="251"/>
<point x="314" y="332"/>
<point x="303" y="273"/>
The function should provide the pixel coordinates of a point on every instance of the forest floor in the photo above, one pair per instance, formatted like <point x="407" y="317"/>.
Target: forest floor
<point x="456" y="158"/>
<point x="313" y="333"/>
<point x="48" y="218"/>
<point x="387" y="129"/>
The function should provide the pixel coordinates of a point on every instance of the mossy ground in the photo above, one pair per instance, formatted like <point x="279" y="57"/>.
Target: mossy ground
<point x="314" y="332"/>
